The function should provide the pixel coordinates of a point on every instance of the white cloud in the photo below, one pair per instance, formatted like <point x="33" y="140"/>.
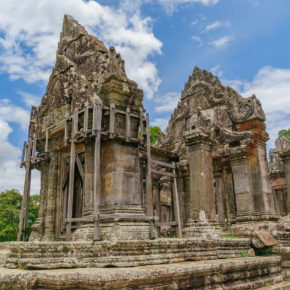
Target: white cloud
<point x="197" y="39"/>
<point x="171" y="5"/>
<point x="31" y="30"/>
<point x="272" y="87"/>
<point x="11" y="113"/>
<point x="221" y="42"/>
<point x="216" y="25"/>
<point x="30" y="99"/>
<point x="167" y="103"/>
<point x="11" y="176"/>
<point x="160" y="122"/>
<point x="216" y="70"/>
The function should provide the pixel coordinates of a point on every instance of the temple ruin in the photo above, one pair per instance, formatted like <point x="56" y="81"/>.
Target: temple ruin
<point x="190" y="212"/>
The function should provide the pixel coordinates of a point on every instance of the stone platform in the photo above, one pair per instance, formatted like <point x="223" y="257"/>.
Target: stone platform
<point x="53" y="255"/>
<point x="238" y="273"/>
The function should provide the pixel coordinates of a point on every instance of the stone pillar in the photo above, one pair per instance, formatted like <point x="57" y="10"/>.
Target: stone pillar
<point x="202" y="211"/>
<point x="255" y="160"/>
<point x="242" y="184"/>
<point x="286" y="161"/>
<point x="51" y="187"/>
<point x="121" y="192"/>
<point x="220" y="197"/>
<point x="38" y="228"/>
<point x="120" y="167"/>
<point x="88" y="202"/>
<point x="229" y="193"/>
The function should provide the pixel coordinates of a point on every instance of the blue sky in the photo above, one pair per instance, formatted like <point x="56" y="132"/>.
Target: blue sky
<point x="246" y="43"/>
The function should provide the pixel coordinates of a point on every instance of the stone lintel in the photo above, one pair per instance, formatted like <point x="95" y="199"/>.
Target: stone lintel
<point x="196" y="137"/>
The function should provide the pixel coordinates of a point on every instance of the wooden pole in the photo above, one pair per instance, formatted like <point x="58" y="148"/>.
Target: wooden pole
<point x="26" y="217"/>
<point x="112" y="120"/>
<point x="149" y="201"/>
<point x="97" y="176"/>
<point x="66" y="131"/>
<point x="71" y="178"/>
<point x="141" y="127"/>
<point x="128" y="125"/>
<point x="176" y="203"/>
<point x="76" y="122"/>
<point x="86" y="118"/>
<point x="33" y="148"/>
<point x="24" y="151"/>
<point x="46" y="141"/>
<point x="26" y="190"/>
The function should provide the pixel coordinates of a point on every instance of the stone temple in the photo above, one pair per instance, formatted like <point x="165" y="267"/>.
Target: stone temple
<point x="201" y="209"/>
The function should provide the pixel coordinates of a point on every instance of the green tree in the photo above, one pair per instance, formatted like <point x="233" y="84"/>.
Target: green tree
<point x="10" y="206"/>
<point x="154" y="131"/>
<point x="285" y="133"/>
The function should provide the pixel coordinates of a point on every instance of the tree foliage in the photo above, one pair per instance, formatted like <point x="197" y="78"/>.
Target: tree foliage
<point x="285" y="133"/>
<point x="154" y="131"/>
<point x="10" y="206"/>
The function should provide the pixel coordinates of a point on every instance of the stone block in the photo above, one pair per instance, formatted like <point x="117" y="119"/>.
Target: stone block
<point x="263" y="239"/>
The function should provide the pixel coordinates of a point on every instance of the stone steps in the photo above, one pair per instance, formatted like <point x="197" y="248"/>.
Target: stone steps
<point x="53" y="255"/>
<point x="285" y="285"/>
<point x="230" y="274"/>
<point x="284" y="252"/>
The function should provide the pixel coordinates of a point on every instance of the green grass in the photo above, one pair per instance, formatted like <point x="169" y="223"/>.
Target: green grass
<point x="230" y="237"/>
<point x="244" y="254"/>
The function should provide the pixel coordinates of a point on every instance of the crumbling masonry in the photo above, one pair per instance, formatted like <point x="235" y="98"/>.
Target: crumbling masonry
<point x="110" y="199"/>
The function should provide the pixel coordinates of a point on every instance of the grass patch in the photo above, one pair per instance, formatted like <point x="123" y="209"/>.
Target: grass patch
<point x="244" y="254"/>
<point x="230" y="237"/>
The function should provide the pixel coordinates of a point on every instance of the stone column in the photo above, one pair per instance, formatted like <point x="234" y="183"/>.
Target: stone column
<point x="220" y="197"/>
<point x="202" y="211"/>
<point x="38" y="228"/>
<point x="51" y="187"/>
<point x="286" y="161"/>
<point x="88" y="201"/>
<point x="264" y="207"/>
<point x="242" y="184"/>
<point x="120" y="167"/>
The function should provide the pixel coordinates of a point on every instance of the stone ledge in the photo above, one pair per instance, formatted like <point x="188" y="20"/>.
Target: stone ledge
<point x="53" y="255"/>
<point x="239" y="273"/>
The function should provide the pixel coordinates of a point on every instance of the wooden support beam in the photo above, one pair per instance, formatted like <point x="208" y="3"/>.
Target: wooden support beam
<point x="86" y="118"/>
<point x="158" y="207"/>
<point x="71" y="178"/>
<point x="176" y="204"/>
<point x="128" y="216"/>
<point x="34" y="147"/>
<point x="79" y="220"/>
<point x="128" y="125"/>
<point x="26" y="191"/>
<point x="24" y="151"/>
<point x="76" y="122"/>
<point x="112" y="120"/>
<point x="80" y="168"/>
<point x="161" y="163"/>
<point x="142" y="127"/>
<point x="46" y="141"/>
<point x="97" y="175"/>
<point x="168" y="224"/>
<point x="149" y="199"/>
<point x="163" y="173"/>
<point x="66" y="130"/>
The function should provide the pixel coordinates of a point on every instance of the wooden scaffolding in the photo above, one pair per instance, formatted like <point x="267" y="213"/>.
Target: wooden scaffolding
<point x="87" y="123"/>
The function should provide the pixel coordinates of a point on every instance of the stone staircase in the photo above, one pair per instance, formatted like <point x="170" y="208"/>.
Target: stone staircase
<point x="236" y="273"/>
